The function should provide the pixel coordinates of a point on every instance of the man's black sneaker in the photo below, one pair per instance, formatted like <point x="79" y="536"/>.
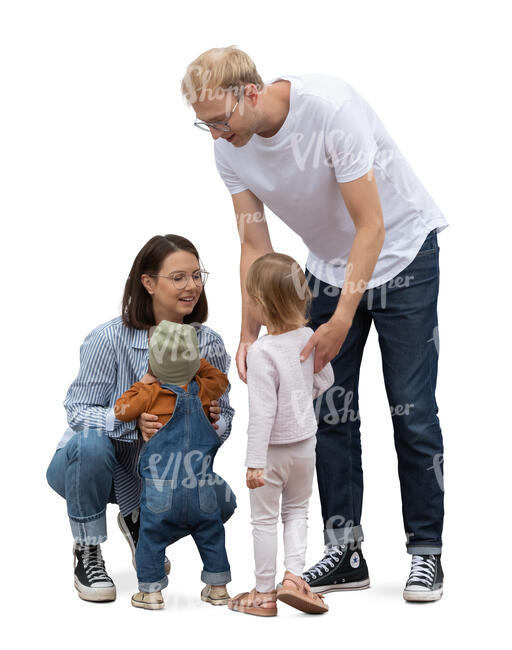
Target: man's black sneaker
<point x="91" y="578"/>
<point x="342" y="568"/>
<point x="425" y="581"/>
<point x="129" y="526"/>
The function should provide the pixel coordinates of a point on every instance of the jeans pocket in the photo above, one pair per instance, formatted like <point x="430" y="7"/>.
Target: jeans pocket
<point x="429" y="246"/>
<point x="207" y="498"/>
<point x="158" y="495"/>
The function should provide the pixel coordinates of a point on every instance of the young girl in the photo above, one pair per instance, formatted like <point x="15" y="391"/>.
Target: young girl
<point x="281" y="434"/>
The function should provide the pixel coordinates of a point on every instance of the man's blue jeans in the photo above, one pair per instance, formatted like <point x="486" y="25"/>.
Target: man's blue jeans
<point x="82" y="473"/>
<point x="404" y="311"/>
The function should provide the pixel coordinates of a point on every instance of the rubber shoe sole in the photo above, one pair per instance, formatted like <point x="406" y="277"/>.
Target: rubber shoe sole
<point x="146" y="605"/>
<point x="214" y="601"/>
<point x="342" y="586"/>
<point x="413" y="596"/>
<point x="95" y="594"/>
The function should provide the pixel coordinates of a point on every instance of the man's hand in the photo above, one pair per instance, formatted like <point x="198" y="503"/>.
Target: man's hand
<point x="148" y="425"/>
<point x="254" y="478"/>
<point x="327" y="341"/>
<point x="214" y="413"/>
<point x="241" y="358"/>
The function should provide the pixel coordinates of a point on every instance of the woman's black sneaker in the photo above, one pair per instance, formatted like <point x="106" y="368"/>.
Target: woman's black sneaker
<point x="425" y="581"/>
<point x="91" y="578"/>
<point x="129" y="526"/>
<point x="341" y="568"/>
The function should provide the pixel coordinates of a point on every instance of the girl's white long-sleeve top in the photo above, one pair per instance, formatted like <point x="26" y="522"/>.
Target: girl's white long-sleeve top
<point x="281" y="392"/>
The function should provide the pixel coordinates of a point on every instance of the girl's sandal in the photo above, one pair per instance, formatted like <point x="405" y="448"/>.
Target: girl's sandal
<point x="301" y="597"/>
<point x="251" y="603"/>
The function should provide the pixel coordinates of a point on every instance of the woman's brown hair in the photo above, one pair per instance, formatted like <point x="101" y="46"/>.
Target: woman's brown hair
<point x="137" y="309"/>
<point x="279" y="283"/>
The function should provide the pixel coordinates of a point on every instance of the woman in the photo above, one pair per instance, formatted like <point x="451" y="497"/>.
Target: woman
<point x="96" y="460"/>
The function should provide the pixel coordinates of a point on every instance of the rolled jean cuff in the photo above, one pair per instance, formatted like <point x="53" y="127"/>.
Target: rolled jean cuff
<point x="151" y="587"/>
<point x="344" y="535"/>
<point x="221" y="578"/>
<point x="89" y="530"/>
<point x="418" y="549"/>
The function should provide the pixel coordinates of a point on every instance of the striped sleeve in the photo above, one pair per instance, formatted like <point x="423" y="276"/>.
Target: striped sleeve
<point x="214" y="351"/>
<point x="90" y="394"/>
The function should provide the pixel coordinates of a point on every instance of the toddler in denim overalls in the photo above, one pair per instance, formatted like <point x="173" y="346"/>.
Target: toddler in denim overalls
<point x="178" y="485"/>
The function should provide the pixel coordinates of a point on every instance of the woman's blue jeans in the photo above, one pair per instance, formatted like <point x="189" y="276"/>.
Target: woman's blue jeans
<point x="82" y="473"/>
<point x="404" y="311"/>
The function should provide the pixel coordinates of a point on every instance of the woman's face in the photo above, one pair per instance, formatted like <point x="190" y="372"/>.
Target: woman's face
<point x="169" y="302"/>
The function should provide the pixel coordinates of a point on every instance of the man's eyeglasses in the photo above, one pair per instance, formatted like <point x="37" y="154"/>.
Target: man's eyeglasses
<point x="180" y="280"/>
<point x="218" y="126"/>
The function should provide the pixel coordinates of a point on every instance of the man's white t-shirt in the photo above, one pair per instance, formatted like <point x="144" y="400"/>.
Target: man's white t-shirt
<point x="331" y="135"/>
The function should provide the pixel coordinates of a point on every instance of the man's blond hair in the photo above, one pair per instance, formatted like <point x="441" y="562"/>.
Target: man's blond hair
<point x="217" y="71"/>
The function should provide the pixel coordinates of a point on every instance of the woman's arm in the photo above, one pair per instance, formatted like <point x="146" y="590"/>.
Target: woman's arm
<point x="89" y="396"/>
<point x="213" y="350"/>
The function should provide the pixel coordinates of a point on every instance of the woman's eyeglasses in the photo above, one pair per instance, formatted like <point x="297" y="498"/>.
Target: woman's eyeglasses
<point x="180" y="280"/>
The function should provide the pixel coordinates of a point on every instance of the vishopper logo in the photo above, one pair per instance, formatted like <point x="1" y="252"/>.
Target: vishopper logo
<point x="199" y="87"/>
<point x="176" y="348"/>
<point x="381" y="291"/>
<point x="339" y="530"/>
<point x="173" y="466"/>
<point x="338" y="403"/>
<point x="336" y="414"/>
<point x="246" y="218"/>
<point x="437" y="466"/>
<point x="377" y="296"/>
<point x="335" y="148"/>
<point x="435" y="338"/>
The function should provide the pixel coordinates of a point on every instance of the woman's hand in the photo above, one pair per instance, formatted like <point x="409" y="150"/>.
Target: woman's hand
<point x="254" y="478"/>
<point x="148" y="425"/>
<point x="214" y="413"/>
<point x="149" y="378"/>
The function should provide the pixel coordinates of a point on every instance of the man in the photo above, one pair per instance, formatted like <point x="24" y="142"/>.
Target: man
<point x="314" y="152"/>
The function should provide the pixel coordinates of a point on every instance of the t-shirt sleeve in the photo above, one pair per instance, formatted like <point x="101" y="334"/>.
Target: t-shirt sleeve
<point x="228" y="175"/>
<point x="350" y="143"/>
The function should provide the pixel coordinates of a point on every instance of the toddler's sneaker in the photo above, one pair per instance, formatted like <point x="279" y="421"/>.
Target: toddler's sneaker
<point x="129" y="526"/>
<point x="215" y="595"/>
<point x="341" y="568"/>
<point x="425" y="581"/>
<point x="145" y="600"/>
<point x="91" y="578"/>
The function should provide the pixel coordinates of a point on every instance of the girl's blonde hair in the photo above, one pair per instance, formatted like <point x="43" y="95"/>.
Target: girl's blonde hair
<point x="221" y="68"/>
<point x="279" y="284"/>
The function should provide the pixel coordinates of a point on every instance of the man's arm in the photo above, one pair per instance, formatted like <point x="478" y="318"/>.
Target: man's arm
<point x="361" y="197"/>
<point x="254" y="242"/>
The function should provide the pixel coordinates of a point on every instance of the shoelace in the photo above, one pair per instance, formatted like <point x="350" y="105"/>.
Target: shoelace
<point x="423" y="569"/>
<point x="93" y="562"/>
<point x="331" y="558"/>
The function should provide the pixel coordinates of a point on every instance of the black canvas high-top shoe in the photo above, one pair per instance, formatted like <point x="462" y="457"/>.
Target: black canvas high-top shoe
<point x="91" y="578"/>
<point x="425" y="581"/>
<point x="342" y="568"/>
<point x="129" y="526"/>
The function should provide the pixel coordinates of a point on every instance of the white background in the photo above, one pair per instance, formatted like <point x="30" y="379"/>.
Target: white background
<point x="98" y="154"/>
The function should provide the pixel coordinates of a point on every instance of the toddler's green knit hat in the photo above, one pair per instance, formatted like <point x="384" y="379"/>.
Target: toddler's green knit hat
<point x="174" y="353"/>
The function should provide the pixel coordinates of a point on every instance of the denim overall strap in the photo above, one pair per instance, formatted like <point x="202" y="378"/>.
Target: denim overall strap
<point x="175" y="388"/>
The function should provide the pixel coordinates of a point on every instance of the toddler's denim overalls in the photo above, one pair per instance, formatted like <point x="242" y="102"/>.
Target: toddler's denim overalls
<point x="178" y="497"/>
